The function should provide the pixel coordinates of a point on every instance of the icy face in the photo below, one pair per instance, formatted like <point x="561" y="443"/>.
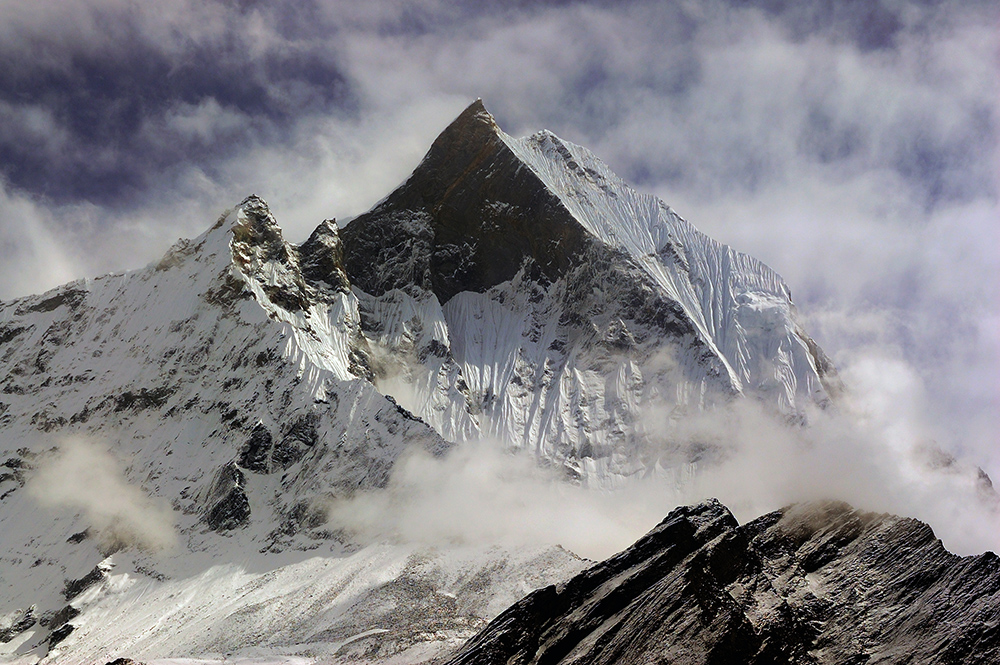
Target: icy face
<point x="740" y="306"/>
<point x="568" y="314"/>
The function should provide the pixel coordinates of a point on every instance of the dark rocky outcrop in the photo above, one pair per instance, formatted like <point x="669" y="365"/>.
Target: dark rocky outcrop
<point x="322" y="257"/>
<point x="69" y="296"/>
<point x="143" y="398"/>
<point x="818" y="583"/>
<point x="15" y="623"/>
<point x="229" y="507"/>
<point x="257" y="449"/>
<point x="60" y="634"/>
<point x="74" y="588"/>
<point x="257" y="240"/>
<point x="60" y="617"/>
<point x="263" y="454"/>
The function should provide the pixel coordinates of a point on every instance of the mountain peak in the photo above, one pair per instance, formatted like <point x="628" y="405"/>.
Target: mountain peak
<point x="467" y="219"/>
<point x="257" y="234"/>
<point x="476" y="113"/>
<point x="322" y="256"/>
<point x="486" y="212"/>
<point x="472" y="134"/>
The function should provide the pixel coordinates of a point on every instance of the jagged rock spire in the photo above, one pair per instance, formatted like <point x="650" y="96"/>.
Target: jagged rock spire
<point x="322" y="257"/>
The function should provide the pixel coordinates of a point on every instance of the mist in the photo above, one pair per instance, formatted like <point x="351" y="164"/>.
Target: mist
<point x="85" y="478"/>
<point x="875" y="449"/>
<point x="478" y="495"/>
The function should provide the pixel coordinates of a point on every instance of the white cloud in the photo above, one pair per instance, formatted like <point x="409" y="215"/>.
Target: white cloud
<point x="478" y="495"/>
<point x="33" y="257"/>
<point x="83" y="477"/>
<point x="877" y="450"/>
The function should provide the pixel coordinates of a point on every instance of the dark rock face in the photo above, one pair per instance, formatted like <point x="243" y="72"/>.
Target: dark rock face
<point x="262" y="454"/>
<point x="322" y="257"/>
<point x="67" y="296"/>
<point x="60" y="634"/>
<point x="259" y="240"/>
<point x="257" y="449"/>
<point x="19" y="622"/>
<point x="819" y="583"/>
<point x="74" y="588"/>
<point x="229" y="507"/>
<point x="60" y="617"/>
<point x="467" y="219"/>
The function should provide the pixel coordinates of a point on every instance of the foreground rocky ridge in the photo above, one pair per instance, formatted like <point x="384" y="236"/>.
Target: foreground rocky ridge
<point x="814" y="583"/>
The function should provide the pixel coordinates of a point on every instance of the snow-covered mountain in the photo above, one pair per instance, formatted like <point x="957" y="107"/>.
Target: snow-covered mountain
<point x="227" y="388"/>
<point x="511" y="290"/>
<point x="518" y="290"/>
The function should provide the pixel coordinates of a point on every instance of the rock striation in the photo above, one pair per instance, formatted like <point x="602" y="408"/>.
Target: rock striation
<point x="811" y="584"/>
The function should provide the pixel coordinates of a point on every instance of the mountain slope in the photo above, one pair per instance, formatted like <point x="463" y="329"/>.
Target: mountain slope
<point x="817" y="583"/>
<point x="525" y="294"/>
<point x="219" y="351"/>
<point x="200" y="413"/>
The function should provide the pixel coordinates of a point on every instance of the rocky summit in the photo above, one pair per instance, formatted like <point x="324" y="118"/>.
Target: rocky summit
<point x="811" y="584"/>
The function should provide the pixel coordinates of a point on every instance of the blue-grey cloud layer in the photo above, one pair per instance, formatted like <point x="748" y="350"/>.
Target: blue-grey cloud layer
<point x="104" y="101"/>
<point x="98" y="116"/>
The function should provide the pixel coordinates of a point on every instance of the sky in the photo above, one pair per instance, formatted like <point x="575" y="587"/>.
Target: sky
<point x="851" y="145"/>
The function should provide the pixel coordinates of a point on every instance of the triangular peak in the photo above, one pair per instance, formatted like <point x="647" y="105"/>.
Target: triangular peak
<point x="469" y="217"/>
<point x="474" y="115"/>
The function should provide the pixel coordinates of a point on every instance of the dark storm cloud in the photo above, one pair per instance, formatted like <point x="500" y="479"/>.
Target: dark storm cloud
<point x="99" y="114"/>
<point x="105" y="101"/>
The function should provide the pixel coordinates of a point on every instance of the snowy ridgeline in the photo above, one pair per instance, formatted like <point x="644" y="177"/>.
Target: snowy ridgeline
<point x="214" y="408"/>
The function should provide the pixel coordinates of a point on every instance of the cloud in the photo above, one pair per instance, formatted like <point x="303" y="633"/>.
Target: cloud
<point x="720" y="94"/>
<point x="479" y="495"/>
<point x="85" y="478"/>
<point x="116" y="80"/>
<point x="877" y="450"/>
<point x="33" y="257"/>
